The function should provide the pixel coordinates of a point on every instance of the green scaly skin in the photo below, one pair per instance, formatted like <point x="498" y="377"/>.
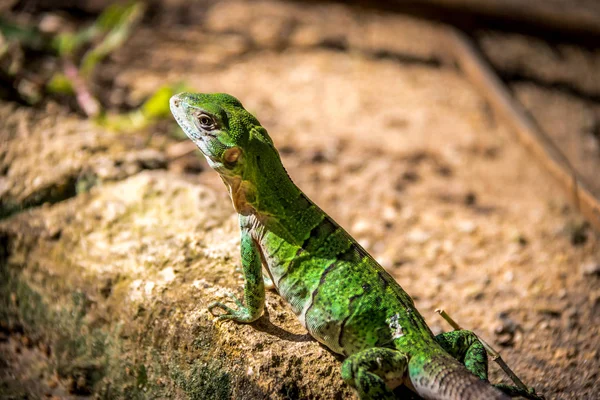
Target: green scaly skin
<point x="343" y="297"/>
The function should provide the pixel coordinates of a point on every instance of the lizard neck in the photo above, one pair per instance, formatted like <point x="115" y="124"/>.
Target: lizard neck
<point x="284" y="212"/>
<point x="265" y="192"/>
<point x="290" y="217"/>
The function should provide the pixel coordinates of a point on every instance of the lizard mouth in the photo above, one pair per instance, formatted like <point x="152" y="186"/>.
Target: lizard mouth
<point x="180" y="109"/>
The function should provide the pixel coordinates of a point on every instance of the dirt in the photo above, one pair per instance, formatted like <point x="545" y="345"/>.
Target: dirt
<point x="376" y="125"/>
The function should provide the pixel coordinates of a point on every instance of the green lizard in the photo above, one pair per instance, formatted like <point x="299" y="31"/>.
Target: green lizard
<point x="343" y="297"/>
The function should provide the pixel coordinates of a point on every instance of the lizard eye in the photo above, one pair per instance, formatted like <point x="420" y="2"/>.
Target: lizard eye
<point x="205" y="121"/>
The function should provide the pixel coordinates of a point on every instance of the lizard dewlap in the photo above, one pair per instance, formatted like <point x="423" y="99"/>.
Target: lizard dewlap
<point x="343" y="297"/>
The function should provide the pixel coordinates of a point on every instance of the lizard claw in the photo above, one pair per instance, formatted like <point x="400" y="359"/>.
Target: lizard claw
<point x="235" y="300"/>
<point x="241" y="314"/>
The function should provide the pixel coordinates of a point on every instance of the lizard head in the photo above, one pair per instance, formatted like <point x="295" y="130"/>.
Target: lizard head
<point x="233" y="142"/>
<point x="219" y="125"/>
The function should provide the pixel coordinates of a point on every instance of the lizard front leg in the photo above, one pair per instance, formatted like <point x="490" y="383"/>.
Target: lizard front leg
<point x="254" y="288"/>
<point x="369" y="370"/>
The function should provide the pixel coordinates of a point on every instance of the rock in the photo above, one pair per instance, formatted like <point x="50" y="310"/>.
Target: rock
<point x="147" y="159"/>
<point x="94" y="155"/>
<point x="131" y="295"/>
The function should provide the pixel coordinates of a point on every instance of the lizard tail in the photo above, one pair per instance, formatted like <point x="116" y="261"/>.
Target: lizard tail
<point x="442" y="377"/>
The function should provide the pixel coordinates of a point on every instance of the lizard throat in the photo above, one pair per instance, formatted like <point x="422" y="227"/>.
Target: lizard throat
<point x="240" y="192"/>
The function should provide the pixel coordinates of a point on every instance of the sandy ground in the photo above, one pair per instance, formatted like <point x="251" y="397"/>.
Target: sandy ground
<point x="383" y="133"/>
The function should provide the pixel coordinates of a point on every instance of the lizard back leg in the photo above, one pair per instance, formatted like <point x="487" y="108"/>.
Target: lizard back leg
<point x="466" y="348"/>
<point x="369" y="370"/>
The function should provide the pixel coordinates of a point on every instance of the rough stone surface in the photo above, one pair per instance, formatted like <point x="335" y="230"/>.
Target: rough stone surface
<point x="127" y="280"/>
<point x="106" y="291"/>
<point x="50" y="156"/>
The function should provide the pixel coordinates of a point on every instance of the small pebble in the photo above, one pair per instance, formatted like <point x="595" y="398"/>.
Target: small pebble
<point x="360" y="226"/>
<point x="418" y="236"/>
<point x="466" y="226"/>
<point x="591" y="268"/>
<point x="470" y="199"/>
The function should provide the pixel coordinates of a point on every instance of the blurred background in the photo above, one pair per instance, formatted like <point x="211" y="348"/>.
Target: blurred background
<point x="457" y="140"/>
